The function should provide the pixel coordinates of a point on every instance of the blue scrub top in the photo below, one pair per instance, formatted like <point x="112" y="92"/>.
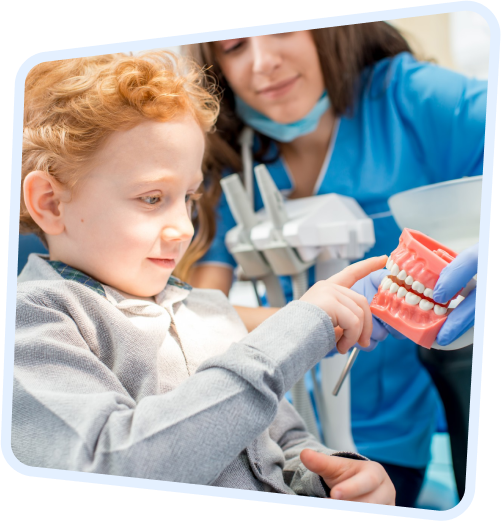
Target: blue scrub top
<point x="413" y="124"/>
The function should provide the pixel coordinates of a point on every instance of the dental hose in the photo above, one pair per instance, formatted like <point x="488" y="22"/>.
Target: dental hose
<point x="300" y="396"/>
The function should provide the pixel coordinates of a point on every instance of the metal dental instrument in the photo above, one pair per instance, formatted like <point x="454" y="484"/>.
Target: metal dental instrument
<point x="346" y="370"/>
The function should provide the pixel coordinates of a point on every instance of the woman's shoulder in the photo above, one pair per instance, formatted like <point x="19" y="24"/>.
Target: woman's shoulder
<point x="405" y="73"/>
<point x="390" y="71"/>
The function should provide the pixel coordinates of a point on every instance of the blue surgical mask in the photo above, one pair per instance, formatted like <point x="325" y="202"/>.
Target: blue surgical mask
<point x="282" y="132"/>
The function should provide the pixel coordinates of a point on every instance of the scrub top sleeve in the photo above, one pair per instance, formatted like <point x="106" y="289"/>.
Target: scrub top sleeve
<point x="444" y="112"/>
<point x="217" y="252"/>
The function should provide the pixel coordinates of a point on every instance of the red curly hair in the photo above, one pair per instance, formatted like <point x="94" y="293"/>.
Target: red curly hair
<point x="72" y="106"/>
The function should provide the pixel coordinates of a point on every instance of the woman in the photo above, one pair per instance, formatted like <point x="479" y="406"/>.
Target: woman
<point x="348" y="110"/>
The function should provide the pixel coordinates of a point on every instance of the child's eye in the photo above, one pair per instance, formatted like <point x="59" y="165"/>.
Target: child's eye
<point x="151" y="199"/>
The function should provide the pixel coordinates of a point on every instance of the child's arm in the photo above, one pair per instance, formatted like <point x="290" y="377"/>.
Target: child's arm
<point x="69" y="393"/>
<point x="302" y="471"/>
<point x="72" y="392"/>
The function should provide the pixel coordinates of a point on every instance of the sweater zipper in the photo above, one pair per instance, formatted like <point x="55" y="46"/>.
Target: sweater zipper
<point x="179" y="341"/>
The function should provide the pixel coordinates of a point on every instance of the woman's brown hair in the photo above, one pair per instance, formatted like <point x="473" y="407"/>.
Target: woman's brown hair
<point x="343" y="52"/>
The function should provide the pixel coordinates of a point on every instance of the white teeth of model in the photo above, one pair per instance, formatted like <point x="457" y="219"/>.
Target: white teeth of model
<point x="383" y="281"/>
<point x="394" y="287"/>
<point x="395" y="270"/>
<point x="409" y="280"/>
<point x="402" y="275"/>
<point x="428" y="292"/>
<point x="417" y="286"/>
<point x="412" y="299"/>
<point x="454" y="303"/>
<point x="401" y="292"/>
<point x="425" y="305"/>
<point x="387" y="284"/>
<point x="440" y="310"/>
<point x="389" y="263"/>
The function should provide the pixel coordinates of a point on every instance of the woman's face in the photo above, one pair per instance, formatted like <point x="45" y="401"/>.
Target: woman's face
<point x="278" y="75"/>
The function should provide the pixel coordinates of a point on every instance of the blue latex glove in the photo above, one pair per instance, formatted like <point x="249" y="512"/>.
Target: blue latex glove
<point x="453" y="278"/>
<point x="368" y="287"/>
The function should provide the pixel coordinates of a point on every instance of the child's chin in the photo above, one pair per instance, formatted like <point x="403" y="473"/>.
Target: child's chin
<point x="157" y="287"/>
<point x="147" y="289"/>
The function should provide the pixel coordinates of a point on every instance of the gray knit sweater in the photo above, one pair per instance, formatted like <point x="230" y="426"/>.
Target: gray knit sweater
<point x="172" y="390"/>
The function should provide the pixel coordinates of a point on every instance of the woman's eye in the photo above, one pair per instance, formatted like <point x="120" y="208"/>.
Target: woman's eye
<point x="233" y="47"/>
<point x="151" y="199"/>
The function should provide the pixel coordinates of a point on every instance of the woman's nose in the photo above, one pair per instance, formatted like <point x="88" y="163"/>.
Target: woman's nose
<point x="266" y="58"/>
<point x="180" y="228"/>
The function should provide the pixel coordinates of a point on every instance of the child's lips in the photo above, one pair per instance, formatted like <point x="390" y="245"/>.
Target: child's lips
<point x="163" y="263"/>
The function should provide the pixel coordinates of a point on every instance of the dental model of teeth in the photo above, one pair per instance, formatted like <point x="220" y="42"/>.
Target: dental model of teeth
<point x="405" y="297"/>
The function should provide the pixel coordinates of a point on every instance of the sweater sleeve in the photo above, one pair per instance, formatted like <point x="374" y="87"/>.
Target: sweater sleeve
<point x="71" y="411"/>
<point x="289" y="431"/>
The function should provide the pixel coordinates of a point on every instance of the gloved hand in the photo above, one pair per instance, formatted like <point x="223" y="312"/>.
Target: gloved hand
<point x="452" y="278"/>
<point x="368" y="287"/>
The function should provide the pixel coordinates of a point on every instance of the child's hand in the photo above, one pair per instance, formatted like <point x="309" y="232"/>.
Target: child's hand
<point x="368" y="287"/>
<point x="351" y="480"/>
<point x="347" y="309"/>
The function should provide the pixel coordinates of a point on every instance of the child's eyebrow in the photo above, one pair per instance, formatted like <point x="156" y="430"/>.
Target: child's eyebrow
<point x="160" y="179"/>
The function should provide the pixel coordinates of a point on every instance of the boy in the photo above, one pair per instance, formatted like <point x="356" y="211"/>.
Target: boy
<point x="121" y="368"/>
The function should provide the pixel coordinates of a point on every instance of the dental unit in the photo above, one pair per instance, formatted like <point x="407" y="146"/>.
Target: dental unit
<point x="286" y="238"/>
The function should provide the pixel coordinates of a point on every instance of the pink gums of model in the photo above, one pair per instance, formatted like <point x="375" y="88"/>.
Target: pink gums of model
<point x="405" y="297"/>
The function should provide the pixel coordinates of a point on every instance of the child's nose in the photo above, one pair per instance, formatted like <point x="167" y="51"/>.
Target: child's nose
<point x="179" y="229"/>
<point x="266" y="57"/>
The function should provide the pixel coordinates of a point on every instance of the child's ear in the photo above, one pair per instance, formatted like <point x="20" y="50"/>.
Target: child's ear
<point x="42" y="196"/>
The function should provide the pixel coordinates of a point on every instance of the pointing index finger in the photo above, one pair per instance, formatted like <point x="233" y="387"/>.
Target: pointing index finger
<point x="357" y="271"/>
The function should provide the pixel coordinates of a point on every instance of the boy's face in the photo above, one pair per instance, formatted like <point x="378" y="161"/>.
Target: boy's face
<point x="129" y="221"/>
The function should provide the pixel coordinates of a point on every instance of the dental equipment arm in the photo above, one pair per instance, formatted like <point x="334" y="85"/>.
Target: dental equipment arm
<point x="458" y="274"/>
<point x="281" y="256"/>
<point x="252" y="262"/>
